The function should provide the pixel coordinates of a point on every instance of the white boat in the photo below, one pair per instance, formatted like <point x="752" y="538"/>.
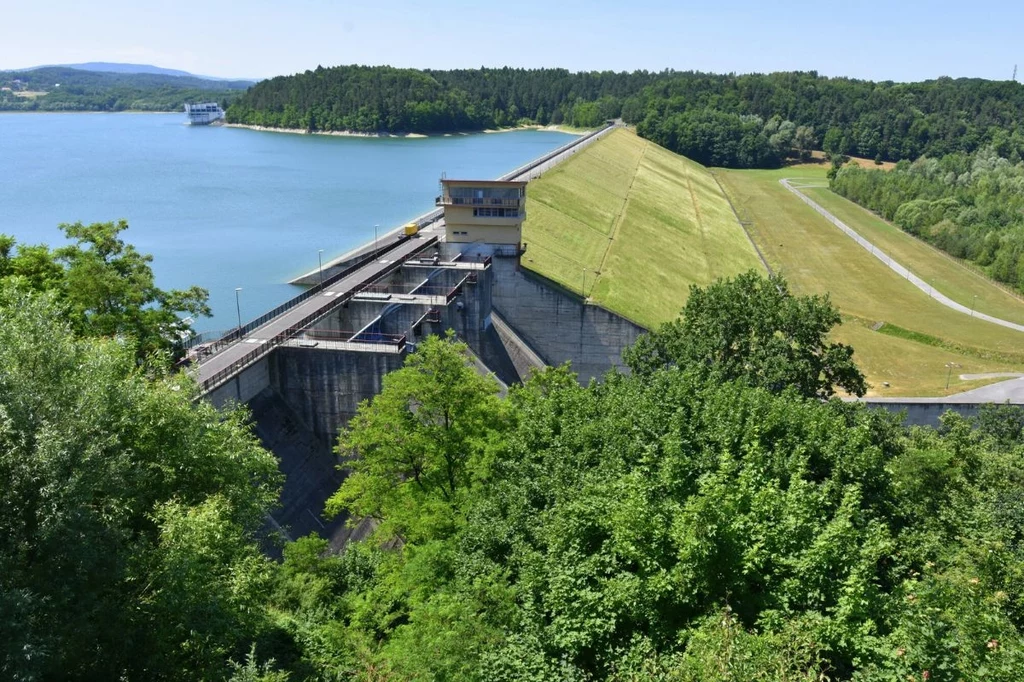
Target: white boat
<point x="203" y="113"/>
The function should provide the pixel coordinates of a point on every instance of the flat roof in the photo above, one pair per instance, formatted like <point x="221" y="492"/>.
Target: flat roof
<point x="505" y="183"/>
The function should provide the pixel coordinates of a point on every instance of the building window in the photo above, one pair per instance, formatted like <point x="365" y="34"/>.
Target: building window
<point x="496" y="212"/>
<point x="477" y="195"/>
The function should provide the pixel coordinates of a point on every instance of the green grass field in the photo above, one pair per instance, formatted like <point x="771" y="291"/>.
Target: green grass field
<point x="631" y="226"/>
<point x="960" y="283"/>
<point x="817" y="258"/>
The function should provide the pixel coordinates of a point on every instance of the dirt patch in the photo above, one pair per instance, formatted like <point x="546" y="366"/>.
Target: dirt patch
<point x="818" y="157"/>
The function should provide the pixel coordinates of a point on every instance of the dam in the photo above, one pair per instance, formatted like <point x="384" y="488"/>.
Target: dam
<point x="303" y="368"/>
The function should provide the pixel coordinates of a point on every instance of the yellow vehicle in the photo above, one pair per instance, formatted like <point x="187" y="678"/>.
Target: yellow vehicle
<point x="411" y="229"/>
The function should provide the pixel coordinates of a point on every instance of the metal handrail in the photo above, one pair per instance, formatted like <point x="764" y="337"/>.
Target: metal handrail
<point x="404" y="290"/>
<point x="333" y="335"/>
<point x="526" y="168"/>
<point x="283" y="336"/>
<point x="238" y="333"/>
<point x="480" y="203"/>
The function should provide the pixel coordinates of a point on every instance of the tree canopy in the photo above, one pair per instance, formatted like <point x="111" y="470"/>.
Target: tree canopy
<point x="969" y="205"/>
<point x="707" y="516"/>
<point x="107" y="287"/>
<point x="749" y="120"/>
<point x="128" y="511"/>
<point x="669" y="526"/>
<point x="753" y="329"/>
<point x="414" y="446"/>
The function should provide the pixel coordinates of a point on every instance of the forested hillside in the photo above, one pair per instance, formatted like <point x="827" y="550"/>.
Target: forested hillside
<point x="888" y="121"/>
<point x="55" y="88"/>
<point x="969" y="205"/>
<point x="753" y="120"/>
<point x="382" y="98"/>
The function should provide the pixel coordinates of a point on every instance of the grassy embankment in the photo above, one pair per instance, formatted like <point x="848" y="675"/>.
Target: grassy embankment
<point x="632" y="226"/>
<point x="922" y="335"/>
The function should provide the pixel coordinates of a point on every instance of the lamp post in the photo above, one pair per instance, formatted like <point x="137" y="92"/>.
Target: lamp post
<point x="238" y="308"/>
<point x="949" y="373"/>
<point x="974" y="303"/>
<point x="320" y="260"/>
<point x="583" y="288"/>
<point x="375" y="239"/>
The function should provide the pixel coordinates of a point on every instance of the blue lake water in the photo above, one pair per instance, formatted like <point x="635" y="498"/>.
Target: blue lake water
<point x="226" y="207"/>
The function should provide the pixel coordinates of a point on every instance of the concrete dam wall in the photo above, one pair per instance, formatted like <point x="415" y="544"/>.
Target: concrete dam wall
<point x="559" y="326"/>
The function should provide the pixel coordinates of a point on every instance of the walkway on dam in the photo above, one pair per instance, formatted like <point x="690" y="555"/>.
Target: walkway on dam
<point x="899" y="269"/>
<point x="259" y="341"/>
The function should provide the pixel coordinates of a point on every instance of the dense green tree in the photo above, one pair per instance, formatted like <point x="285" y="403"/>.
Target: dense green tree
<point x="970" y="206"/>
<point x="888" y="120"/>
<point x="834" y="144"/>
<point x="717" y="138"/>
<point x="670" y="526"/>
<point x="127" y="512"/>
<point x="753" y="329"/>
<point x="418" y="444"/>
<point x="107" y="287"/>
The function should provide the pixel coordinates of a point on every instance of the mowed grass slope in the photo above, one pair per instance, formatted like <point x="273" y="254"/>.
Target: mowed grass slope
<point x="631" y="226"/>
<point x="816" y="257"/>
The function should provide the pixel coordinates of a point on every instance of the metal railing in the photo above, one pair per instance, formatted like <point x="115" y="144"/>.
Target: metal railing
<point x="238" y="333"/>
<point x="463" y="257"/>
<point x="527" y="167"/>
<point x="362" y="337"/>
<point x="223" y="375"/>
<point x="480" y="203"/>
<point x="404" y="289"/>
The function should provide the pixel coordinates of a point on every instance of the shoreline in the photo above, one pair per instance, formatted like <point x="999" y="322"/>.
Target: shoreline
<point x="330" y="133"/>
<point x="566" y="130"/>
<point x="85" y="111"/>
<point x="354" y="133"/>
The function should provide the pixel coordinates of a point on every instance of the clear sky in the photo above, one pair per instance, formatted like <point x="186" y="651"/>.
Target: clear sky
<point x="894" y="40"/>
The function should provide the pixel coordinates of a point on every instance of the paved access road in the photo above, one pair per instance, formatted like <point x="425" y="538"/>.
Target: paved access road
<point x="901" y="270"/>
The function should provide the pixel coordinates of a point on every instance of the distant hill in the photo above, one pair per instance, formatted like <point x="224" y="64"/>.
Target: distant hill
<point x="738" y="121"/>
<point x="120" y="67"/>
<point x="63" y="88"/>
<point x="147" y="76"/>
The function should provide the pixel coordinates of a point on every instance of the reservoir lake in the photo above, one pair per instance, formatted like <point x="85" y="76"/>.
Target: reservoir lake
<point x="223" y="207"/>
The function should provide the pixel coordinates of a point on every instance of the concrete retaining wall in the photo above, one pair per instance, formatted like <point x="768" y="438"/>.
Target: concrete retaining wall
<point x="558" y="325"/>
<point x="245" y="386"/>
<point x="925" y="412"/>
<point x="324" y="387"/>
<point x="310" y="468"/>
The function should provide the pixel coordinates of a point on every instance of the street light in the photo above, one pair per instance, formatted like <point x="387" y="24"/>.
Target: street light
<point x="375" y="238"/>
<point x="583" y="289"/>
<point x="974" y="303"/>
<point x="320" y="259"/>
<point x="238" y="308"/>
<point x="950" y="366"/>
